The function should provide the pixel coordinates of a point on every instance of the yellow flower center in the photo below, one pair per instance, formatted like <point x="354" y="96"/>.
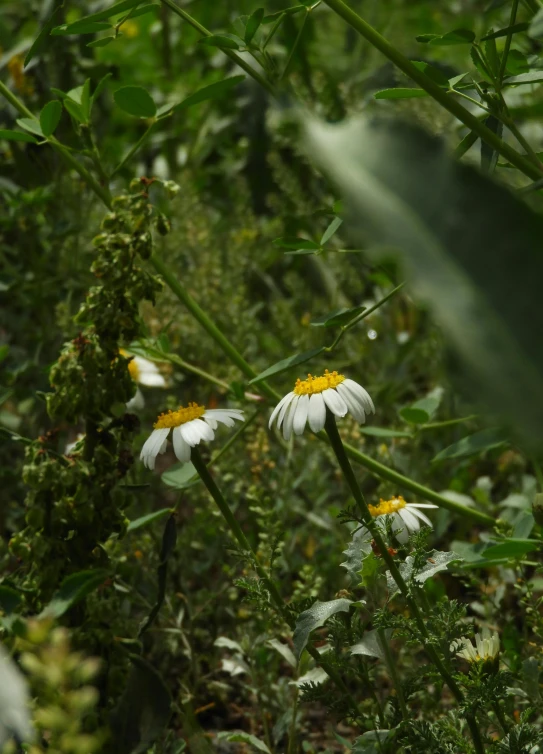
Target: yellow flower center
<point x="181" y="416"/>
<point x="318" y="384"/>
<point x="132" y="366"/>
<point x="387" y="506"/>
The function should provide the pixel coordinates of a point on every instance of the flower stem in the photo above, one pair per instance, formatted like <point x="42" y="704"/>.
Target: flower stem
<point x="350" y="478"/>
<point x="243" y="542"/>
<point x="433" y="89"/>
<point x="389" y="661"/>
<point x="509" y="37"/>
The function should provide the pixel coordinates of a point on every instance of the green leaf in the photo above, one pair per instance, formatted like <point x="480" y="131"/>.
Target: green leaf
<point x="400" y="93"/>
<point x="316" y="616"/>
<point x="473" y="444"/>
<point x="491" y="54"/>
<point x="338" y="318"/>
<point x="437" y="76"/>
<point x="330" y="230"/>
<point x="102" y="42"/>
<point x="136" y="101"/>
<point x="10" y="599"/>
<point x="219" y="40"/>
<point x="456" y="37"/>
<point x="16" y="136"/>
<point x="113" y="10"/>
<point x="43" y="37"/>
<point x="169" y="540"/>
<point x="384" y="432"/>
<point x="506" y="31"/>
<point x="72" y="590"/>
<point x="511" y="548"/>
<point x="179" y="476"/>
<point x="404" y="191"/>
<point x="50" y="117"/>
<point x="480" y="63"/>
<point x="370" y="645"/>
<point x="284" y="364"/>
<point x="150" y="518"/>
<point x="253" y="22"/>
<point x="536" y="27"/>
<point x="295" y="243"/>
<point x="517" y="63"/>
<point x="149" y="8"/>
<point x="533" y="77"/>
<point x="30" y="124"/>
<point x="413" y="415"/>
<point x="81" y="27"/>
<point x="213" y="91"/>
<point x="241" y="737"/>
<point x="143" y="710"/>
<point x="436" y="561"/>
<point x="75" y="109"/>
<point x="288" y="12"/>
<point x="431" y="403"/>
<point x="99" y="89"/>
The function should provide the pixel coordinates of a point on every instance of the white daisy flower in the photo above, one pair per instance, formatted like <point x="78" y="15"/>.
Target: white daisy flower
<point x="189" y="427"/>
<point x="487" y="647"/>
<point x="310" y="399"/>
<point x="406" y="517"/>
<point x="143" y="372"/>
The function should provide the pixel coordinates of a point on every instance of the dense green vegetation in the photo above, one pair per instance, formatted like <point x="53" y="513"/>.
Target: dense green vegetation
<point x="207" y="209"/>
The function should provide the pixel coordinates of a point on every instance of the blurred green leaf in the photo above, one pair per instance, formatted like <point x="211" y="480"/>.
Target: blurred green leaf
<point x="240" y="736"/>
<point x="39" y="44"/>
<point x="81" y="27"/>
<point x="17" y="136"/>
<point x="473" y="444"/>
<point x="213" y="91"/>
<point x="284" y="364"/>
<point x="136" y="101"/>
<point x="517" y="63"/>
<point x="511" y="548"/>
<point x="535" y="29"/>
<point x="506" y="30"/>
<point x="30" y="124"/>
<point x="50" y="117"/>
<point x="330" y="230"/>
<point x="10" y="599"/>
<point x="72" y="590"/>
<point x="219" y="40"/>
<point x="150" y="518"/>
<point x="532" y="77"/>
<point x="400" y="93"/>
<point x="179" y="475"/>
<point x="113" y="10"/>
<point x="384" y="432"/>
<point x="338" y="318"/>
<point x="413" y="415"/>
<point x="456" y="37"/>
<point x="404" y="191"/>
<point x="432" y="72"/>
<point x="295" y="243"/>
<point x="253" y="22"/>
<point x="102" y="42"/>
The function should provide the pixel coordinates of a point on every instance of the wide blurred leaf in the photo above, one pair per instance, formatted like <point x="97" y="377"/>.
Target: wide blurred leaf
<point x="73" y="589"/>
<point x="511" y="548"/>
<point x="470" y="248"/>
<point x="400" y="93"/>
<point x="284" y="364"/>
<point x="213" y="91"/>
<point x="136" y="101"/>
<point x="338" y="318"/>
<point x="50" y="117"/>
<point x="316" y="616"/>
<point x="253" y="22"/>
<point x="456" y="37"/>
<point x="472" y="444"/>
<point x="219" y="40"/>
<point x="507" y="30"/>
<point x="137" y="523"/>
<point x="16" y="136"/>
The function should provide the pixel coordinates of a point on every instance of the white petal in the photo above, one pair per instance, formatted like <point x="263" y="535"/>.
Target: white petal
<point x="479" y="643"/>
<point x="399" y="528"/>
<point x="180" y="447"/>
<point x="151" y="379"/>
<point x="411" y="522"/>
<point x="300" y="415"/>
<point x="153" y="446"/>
<point x="354" y="406"/>
<point x="317" y="412"/>
<point x="284" y="408"/>
<point x="422" y="505"/>
<point x="289" y="417"/>
<point x="419" y="514"/>
<point x="278" y="408"/>
<point x="361" y="394"/>
<point x="195" y="431"/>
<point x="137" y="402"/>
<point x="213" y="423"/>
<point x="218" y="413"/>
<point x="335" y="402"/>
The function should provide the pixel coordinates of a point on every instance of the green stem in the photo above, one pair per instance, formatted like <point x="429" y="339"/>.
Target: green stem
<point x="522" y="141"/>
<point x="229" y="53"/>
<point x="243" y="542"/>
<point x="448" y="422"/>
<point x="467" y="142"/>
<point x="274" y="28"/>
<point x="508" y="39"/>
<point x="435" y="91"/>
<point x="389" y="661"/>
<point x="294" y="46"/>
<point x="367" y="518"/>
<point x="132" y="151"/>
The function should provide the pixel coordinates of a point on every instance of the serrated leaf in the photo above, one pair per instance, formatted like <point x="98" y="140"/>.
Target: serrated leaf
<point x="338" y="318"/>
<point x="285" y="364"/>
<point x="5" y="133"/>
<point x="330" y="230"/>
<point x="486" y="439"/>
<point x="370" y="645"/>
<point x="358" y="549"/>
<point x="253" y="23"/>
<point x="511" y="548"/>
<point x="506" y="31"/>
<point x="50" y="117"/>
<point x="456" y="37"/>
<point x="436" y="562"/>
<point x="136" y="101"/>
<point x="143" y="710"/>
<point x="150" y="518"/>
<point x="316" y="616"/>
<point x="180" y="475"/>
<point x="30" y="124"/>
<point x="400" y="92"/>
<point x="295" y="243"/>
<point x="221" y="41"/>
<point x="404" y="191"/>
<point x="72" y="590"/>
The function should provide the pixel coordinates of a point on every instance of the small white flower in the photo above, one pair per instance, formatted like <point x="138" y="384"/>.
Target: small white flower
<point x="487" y="646"/>
<point x="189" y="427"/>
<point x="143" y="372"/>
<point x="308" y="402"/>
<point x="406" y="517"/>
